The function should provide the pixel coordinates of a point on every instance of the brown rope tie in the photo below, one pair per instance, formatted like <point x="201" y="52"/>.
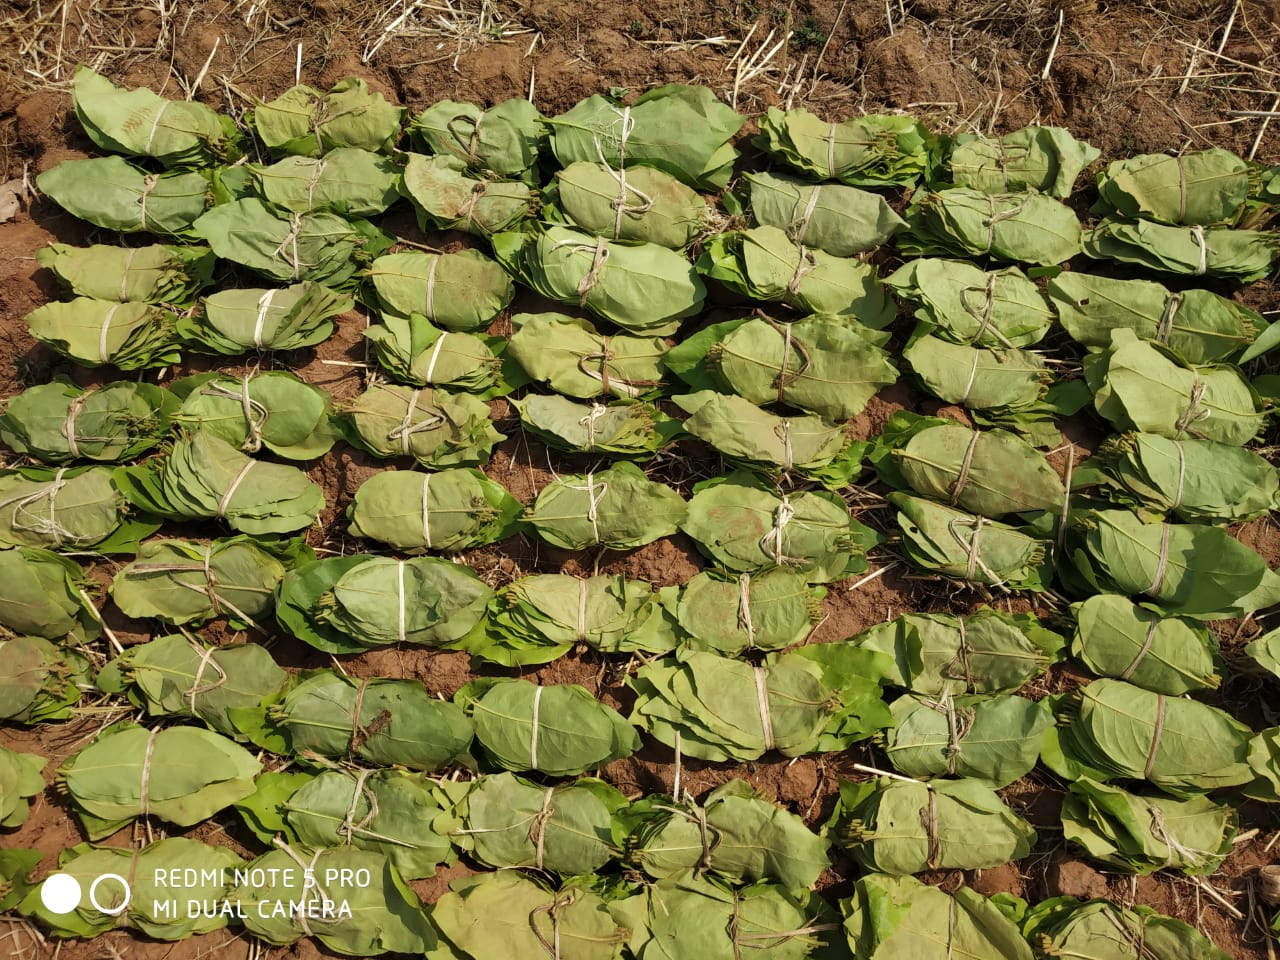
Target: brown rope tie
<point x="995" y="219"/>
<point x="467" y="209"/>
<point x="104" y="353"/>
<point x="144" y="787"/>
<point x="124" y="274"/>
<point x="772" y="544"/>
<point x="1197" y="236"/>
<point x="358" y="733"/>
<point x="225" y="502"/>
<point x="552" y="910"/>
<point x="206" y="660"/>
<point x="148" y="184"/>
<point x="804" y="266"/>
<point x="959" y="723"/>
<point x="407" y="428"/>
<point x="1142" y="651"/>
<point x="985" y="315"/>
<point x="255" y="413"/>
<point x="69" y="424"/>
<point x="1155" y="737"/>
<point x="582" y="611"/>
<point x="744" y="609"/>
<point x="598" y="410"/>
<point x="1165" y="327"/>
<point x="308" y="870"/>
<point x="471" y="143"/>
<point x="961" y="658"/>
<point x="1182" y="475"/>
<point x="1194" y="412"/>
<point x="290" y="242"/>
<point x="800" y="226"/>
<point x="762" y="698"/>
<point x="962" y="478"/>
<point x="348" y="826"/>
<point x="538" y="828"/>
<point x="533" y="732"/>
<point x="38" y="525"/>
<point x="1163" y="565"/>
<point x="929" y="820"/>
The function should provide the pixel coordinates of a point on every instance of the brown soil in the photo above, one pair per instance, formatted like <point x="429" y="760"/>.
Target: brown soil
<point x="1128" y="77"/>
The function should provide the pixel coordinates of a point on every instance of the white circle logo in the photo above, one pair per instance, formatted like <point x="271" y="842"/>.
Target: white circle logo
<point x="93" y="894"/>
<point x="60" y="893"/>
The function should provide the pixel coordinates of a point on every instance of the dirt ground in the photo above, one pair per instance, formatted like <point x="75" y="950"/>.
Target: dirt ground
<point x="1128" y="77"/>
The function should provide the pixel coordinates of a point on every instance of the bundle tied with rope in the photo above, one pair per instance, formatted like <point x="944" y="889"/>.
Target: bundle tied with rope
<point x="384" y="722"/>
<point x="179" y="774"/>
<point x="59" y="421"/>
<point x="994" y="739"/>
<point x="617" y="508"/>
<point x="405" y="816"/>
<point x="177" y="675"/>
<point x="1139" y="386"/>
<point x="969" y="547"/>
<point x="564" y="829"/>
<point x="1111" y="729"/>
<point x="1024" y="227"/>
<point x="975" y="307"/>
<point x="1196" y="480"/>
<point x="187" y="581"/>
<point x="560" y="730"/>
<point x="65" y="509"/>
<point x="734" y="833"/>
<point x="435" y="427"/>
<point x="900" y="826"/>
<point x="382" y="916"/>
<point x="644" y="288"/>
<point x="235" y="321"/>
<point x="1140" y="832"/>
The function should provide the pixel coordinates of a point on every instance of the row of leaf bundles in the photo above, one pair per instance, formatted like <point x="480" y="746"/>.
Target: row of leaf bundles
<point x="59" y="422"/>
<point x="191" y="581"/>
<point x="571" y="829"/>
<point x="135" y="334"/>
<point x="1189" y="214"/>
<point x="275" y="904"/>
<point x="891" y="918"/>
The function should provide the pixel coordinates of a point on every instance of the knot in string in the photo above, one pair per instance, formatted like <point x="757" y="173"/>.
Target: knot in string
<point x="206" y="660"/>
<point x="264" y="306"/>
<point x="538" y="828"/>
<point x="804" y="266"/>
<point x="148" y="184"/>
<point x="744" y="609"/>
<point x="1197" y="237"/>
<point x="984" y="314"/>
<point x="288" y="247"/>
<point x="598" y="410"/>
<point x="1194" y="412"/>
<point x="25" y="520"/>
<point x="255" y="413"/>
<point x="1164" y="328"/>
<point x="800" y="225"/>
<point x="962" y="478"/>
<point x="69" y="424"/>
<point x="772" y="543"/>
<point x="783" y="432"/>
<point x="407" y="428"/>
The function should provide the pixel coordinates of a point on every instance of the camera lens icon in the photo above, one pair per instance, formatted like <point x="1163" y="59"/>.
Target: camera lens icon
<point x="61" y="893"/>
